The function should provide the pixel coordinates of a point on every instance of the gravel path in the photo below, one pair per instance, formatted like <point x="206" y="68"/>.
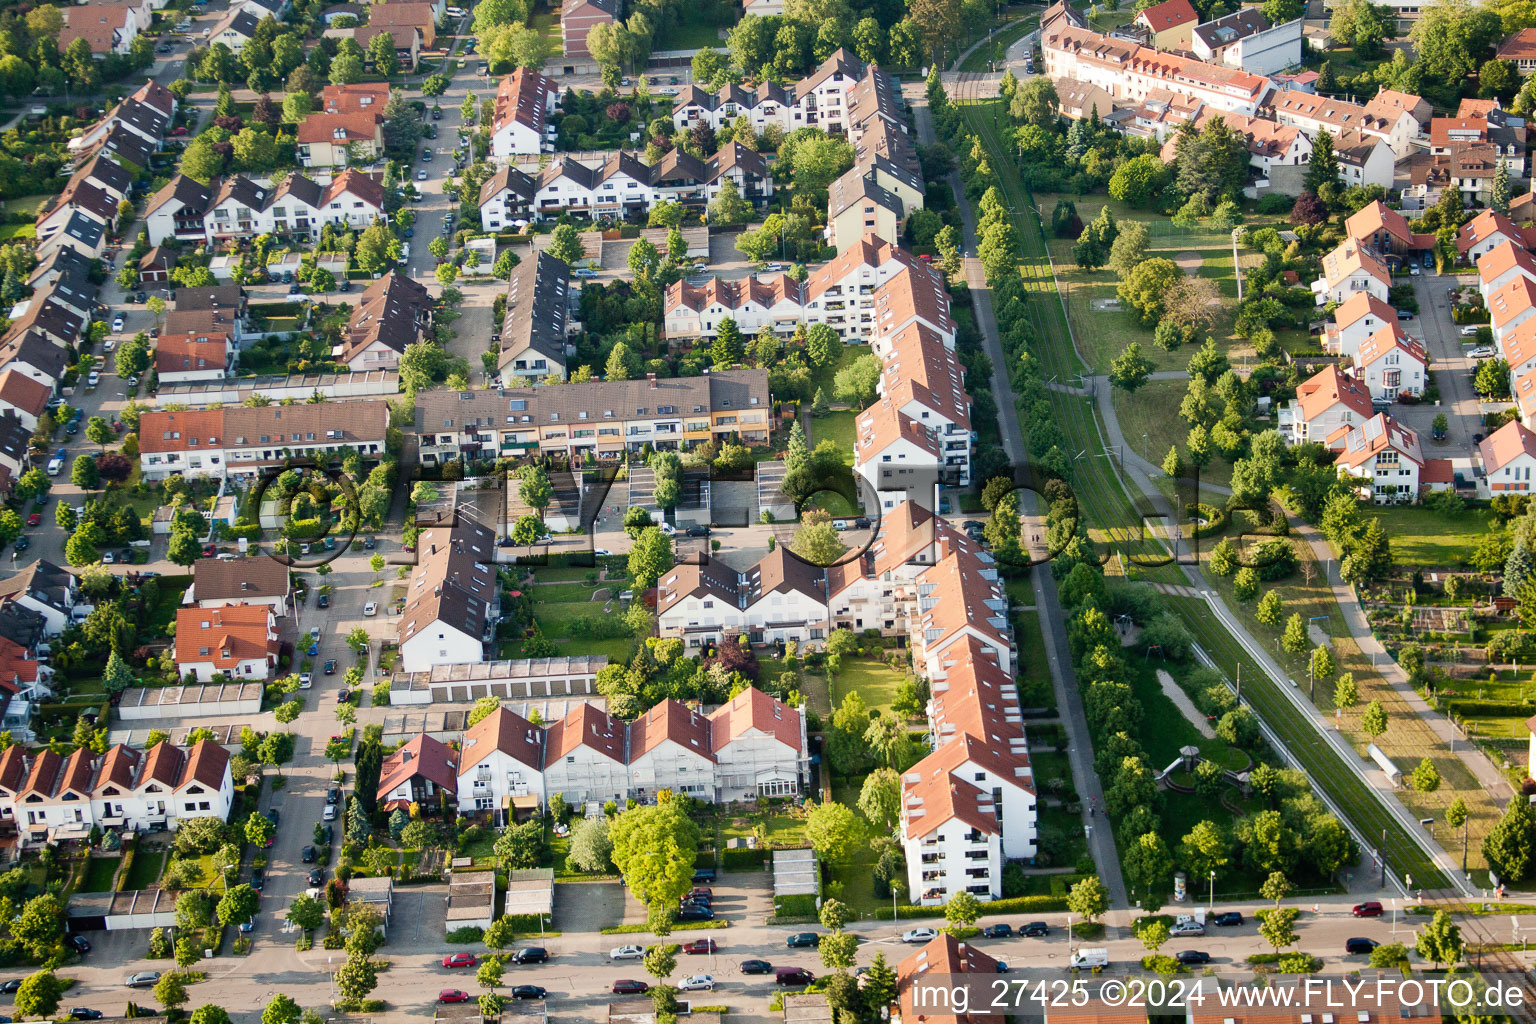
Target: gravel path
<point x="1176" y="693"/>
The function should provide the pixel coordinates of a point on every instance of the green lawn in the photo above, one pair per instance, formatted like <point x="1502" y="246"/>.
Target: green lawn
<point x="547" y="23"/>
<point x="691" y="36"/>
<point x="1034" y="679"/>
<point x="839" y="428"/>
<point x="856" y="874"/>
<point x="145" y="870"/>
<point x="1424" y="538"/>
<point x="875" y="681"/>
<point x="567" y="593"/>
<point x="1150" y="425"/>
<point x="99" y="873"/>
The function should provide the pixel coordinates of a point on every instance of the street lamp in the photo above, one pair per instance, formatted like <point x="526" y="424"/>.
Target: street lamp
<point x="1069" y="934"/>
<point x="1213" y="890"/>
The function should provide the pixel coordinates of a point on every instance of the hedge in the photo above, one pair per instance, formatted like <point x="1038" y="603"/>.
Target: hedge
<point x="736" y="859"/>
<point x="1215" y="519"/>
<point x="1487" y="708"/>
<point x="1015" y="905"/>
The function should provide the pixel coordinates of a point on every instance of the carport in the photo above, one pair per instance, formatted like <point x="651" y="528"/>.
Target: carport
<point x="795" y="873"/>
<point x="531" y="891"/>
<point x="87" y="911"/>
<point x="471" y="900"/>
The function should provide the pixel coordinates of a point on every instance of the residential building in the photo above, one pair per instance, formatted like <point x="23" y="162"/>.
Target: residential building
<point x="700" y="602"/>
<point x="217" y="583"/>
<point x="237" y="641"/>
<point x="1394" y="118"/>
<point x="534" y="327"/>
<point x="953" y="960"/>
<point x="407" y="40"/>
<point x="424" y="771"/>
<point x="80" y="196"/>
<point x="106" y="28"/>
<point x="1487" y="231"/>
<point x="923" y="379"/>
<point x="783" y="598"/>
<point x="1385" y="231"/>
<point x="858" y="205"/>
<point x="405" y="14"/>
<point x="337" y="140"/>
<point x="1245" y="39"/>
<point x="43" y="589"/>
<point x="577" y="18"/>
<point x="1509" y="455"/>
<point x="1391" y="364"/>
<point x="393" y="313"/>
<point x="1382" y="457"/>
<point x="759" y="746"/>
<point x="585" y="757"/>
<point x="1518" y="347"/>
<point x="26" y="398"/>
<point x="34" y="356"/>
<point x="1511" y="305"/>
<point x="669" y="748"/>
<point x="1520" y="48"/>
<point x="1351" y="268"/>
<point x="176" y="211"/>
<point x="749" y="302"/>
<point x="898" y="457"/>
<point x="606" y="418"/>
<point x="506" y="200"/>
<point x="1356" y="319"/>
<point x="520" y="125"/>
<point x="1324" y="402"/>
<point x="501" y="760"/>
<point x="238" y="207"/>
<point x="1132" y="73"/>
<point x="452" y="602"/>
<point x="235" y="29"/>
<point x="242" y="441"/>
<point x="1169" y="25"/>
<point x="1364" y="159"/>
<point x="24" y="682"/>
<point x="1270" y="144"/>
<point x="188" y="358"/>
<point x="1501" y="265"/>
<point x="360" y="97"/>
<point x="80" y="232"/>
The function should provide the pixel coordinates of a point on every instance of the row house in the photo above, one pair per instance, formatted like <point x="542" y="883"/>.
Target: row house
<point x="1364" y="160"/>
<point x="960" y="601"/>
<point x="924" y="381"/>
<point x="1324" y="402"/>
<point x="80" y="197"/>
<point x="537" y="321"/>
<point x="243" y="441"/>
<point x="840" y="96"/>
<point x="23" y="397"/>
<point x="1470" y="169"/>
<point x="80" y="232"/>
<point x="876" y="590"/>
<point x="1482" y="122"/>
<point x="32" y="355"/>
<point x="1501" y="265"/>
<point x="48" y="798"/>
<point x="1349" y="269"/>
<point x="1489" y="230"/>
<point x="238" y="207"/>
<point x="25" y="682"/>
<point x="1511" y="305"/>
<point x="235" y="29"/>
<point x="1383" y="460"/>
<point x="1520" y="48"/>
<point x="1130" y="72"/>
<point x="861" y="289"/>
<point x="407" y="41"/>
<point x="621" y="186"/>
<point x="1396" y="118"/>
<point x="424" y="771"/>
<point x="1356" y="319"/>
<point x="897" y="457"/>
<point x="237" y="641"/>
<point x="781" y="598"/>
<point x="1509" y="457"/>
<point x="520" y="123"/>
<point x="1169" y="25"/>
<point x="51" y="314"/>
<point x="952" y="959"/>
<point x="207" y="311"/>
<point x="452" y="602"/>
<point x="392" y="314"/>
<point x="752" y="746"/>
<point x="1518" y="347"/>
<point x="146" y="114"/>
<point x="603" y="418"/>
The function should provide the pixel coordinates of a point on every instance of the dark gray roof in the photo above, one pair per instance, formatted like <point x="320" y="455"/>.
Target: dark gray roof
<point x="142" y="116"/>
<point x="62" y="264"/>
<point x="507" y="178"/>
<point x="189" y="192"/>
<point x="1235" y="26"/>
<point x="43" y="581"/>
<point x="85" y="229"/>
<point x="857" y="185"/>
<point x="538" y="297"/>
<point x="125" y="145"/>
<point x="35" y="350"/>
<point x="107" y="172"/>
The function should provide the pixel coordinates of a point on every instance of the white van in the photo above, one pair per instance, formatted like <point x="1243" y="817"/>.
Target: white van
<point x="1096" y="957"/>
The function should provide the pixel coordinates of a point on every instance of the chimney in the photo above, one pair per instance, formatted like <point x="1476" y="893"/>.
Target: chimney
<point x="651" y="379"/>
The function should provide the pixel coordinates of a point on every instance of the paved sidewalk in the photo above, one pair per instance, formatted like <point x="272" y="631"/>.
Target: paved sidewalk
<point x="1101" y="840"/>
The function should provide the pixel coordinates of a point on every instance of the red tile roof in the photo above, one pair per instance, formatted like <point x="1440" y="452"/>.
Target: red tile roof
<point x="1169" y="14"/>
<point x="432" y="760"/>
<point x="753" y="709"/>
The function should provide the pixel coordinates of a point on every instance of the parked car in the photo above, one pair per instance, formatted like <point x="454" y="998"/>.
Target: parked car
<point x="453" y="995"/>
<point x="1228" y="918"/>
<point x="1192" y="956"/>
<point x="1035" y="930"/>
<point x="258" y="879"/>
<point x="997" y="931"/>
<point x="84" y="1013"/>
<point x="919" y="935"/>
<point x="1190" y="927"/>
<point x="1360" y="946"/>
<point x="10" y="987"/>
<point x="80" y="943"/>
<point x="21" y="544"/>
<point x="630" y="987"/>
<point x="697" y="983"/>
<point x="626" y="953"/>
<point x="694" y="912"/>
<point x="698" y="946"/>
<point x="93" y="378"/>
<point x="531" y="955"/>
<point x="458" y="959"/>
<point x="1470" y="330"/>
<point x="143" y="979"/>
<point x="1370" y="908"/>
<point x="371" y="608"/>
<point x="330" y="666"/>
<point x="1482" y="352"/>
<point x="792" y="976"/>
<point x="698" y="531"/>
<point x="1404" y="315"/>
<point x="35" y="519"/>
<point x="305" y="680"/>
<point x="803" y="940"/>
<point x="527" y="992"/>
<point x="307" y="855"/>
<point x="329" y="814"/>
<point x="323" y="601"/>
<point x="746" y="967"/>
<point x="117" y="322"/>
<point x="333" y="795"/>
<point x="317" y="879"/>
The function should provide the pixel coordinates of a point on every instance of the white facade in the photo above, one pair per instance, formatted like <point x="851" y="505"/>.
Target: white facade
<point x="670" y="765"/>
<point x="1368" y="164"/>
<point x="1393" y="374"/>
<point x="786" y="615"/>
<point x="956" y="857"/>
<point x="441" y="643"/>
<point x="586" y="775"/>
<point x="758" y="763"/>
<point x="1262" y="53"/>
<point x="489" y="784"/>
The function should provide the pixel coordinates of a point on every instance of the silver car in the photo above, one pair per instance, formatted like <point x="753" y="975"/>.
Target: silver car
<point x="1482" y="352"/>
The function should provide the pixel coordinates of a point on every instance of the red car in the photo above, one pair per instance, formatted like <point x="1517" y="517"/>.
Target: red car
<point x="630" y="987"/>
<point x="180" y="129"/>
<point x="701" y="946"/>
<point x="209" y="550"/>
<point x="459" y="960"/>
<point x="35" y="519"/>
<point x="1370" y="908"/>
<point x="453" y="995"/>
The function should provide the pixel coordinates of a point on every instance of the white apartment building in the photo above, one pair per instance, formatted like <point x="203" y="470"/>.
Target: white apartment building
<point x="452" y="601"/>
<point x="238" y="641"/>
<point x="1130" y="73"/>
<point x="1349" y="269"/>
<point x="759" y="745"/>
<point x="1509" y="457"/>
<point x="1501" y="265"/>
<point x="1355" y="320"/>
<point x="779" y="598"/>
<point x="1383" y="457"/>
<point x="1324" y="402"/>
<point x="521" y="125"/>
<point x="820" y="100"/>
<point x="584" y="758"/>
<point x="238" y="207"/>
<point x="1391" y="364"/>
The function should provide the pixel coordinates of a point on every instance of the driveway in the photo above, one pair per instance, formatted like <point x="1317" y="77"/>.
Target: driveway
<point x="1453" y="370"/>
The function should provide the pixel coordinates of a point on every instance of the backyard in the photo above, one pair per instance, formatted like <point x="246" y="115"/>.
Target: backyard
<point x="1429" y="539"/>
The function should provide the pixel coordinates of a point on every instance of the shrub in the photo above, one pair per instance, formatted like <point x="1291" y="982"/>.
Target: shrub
<point x="462" y="936"/>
